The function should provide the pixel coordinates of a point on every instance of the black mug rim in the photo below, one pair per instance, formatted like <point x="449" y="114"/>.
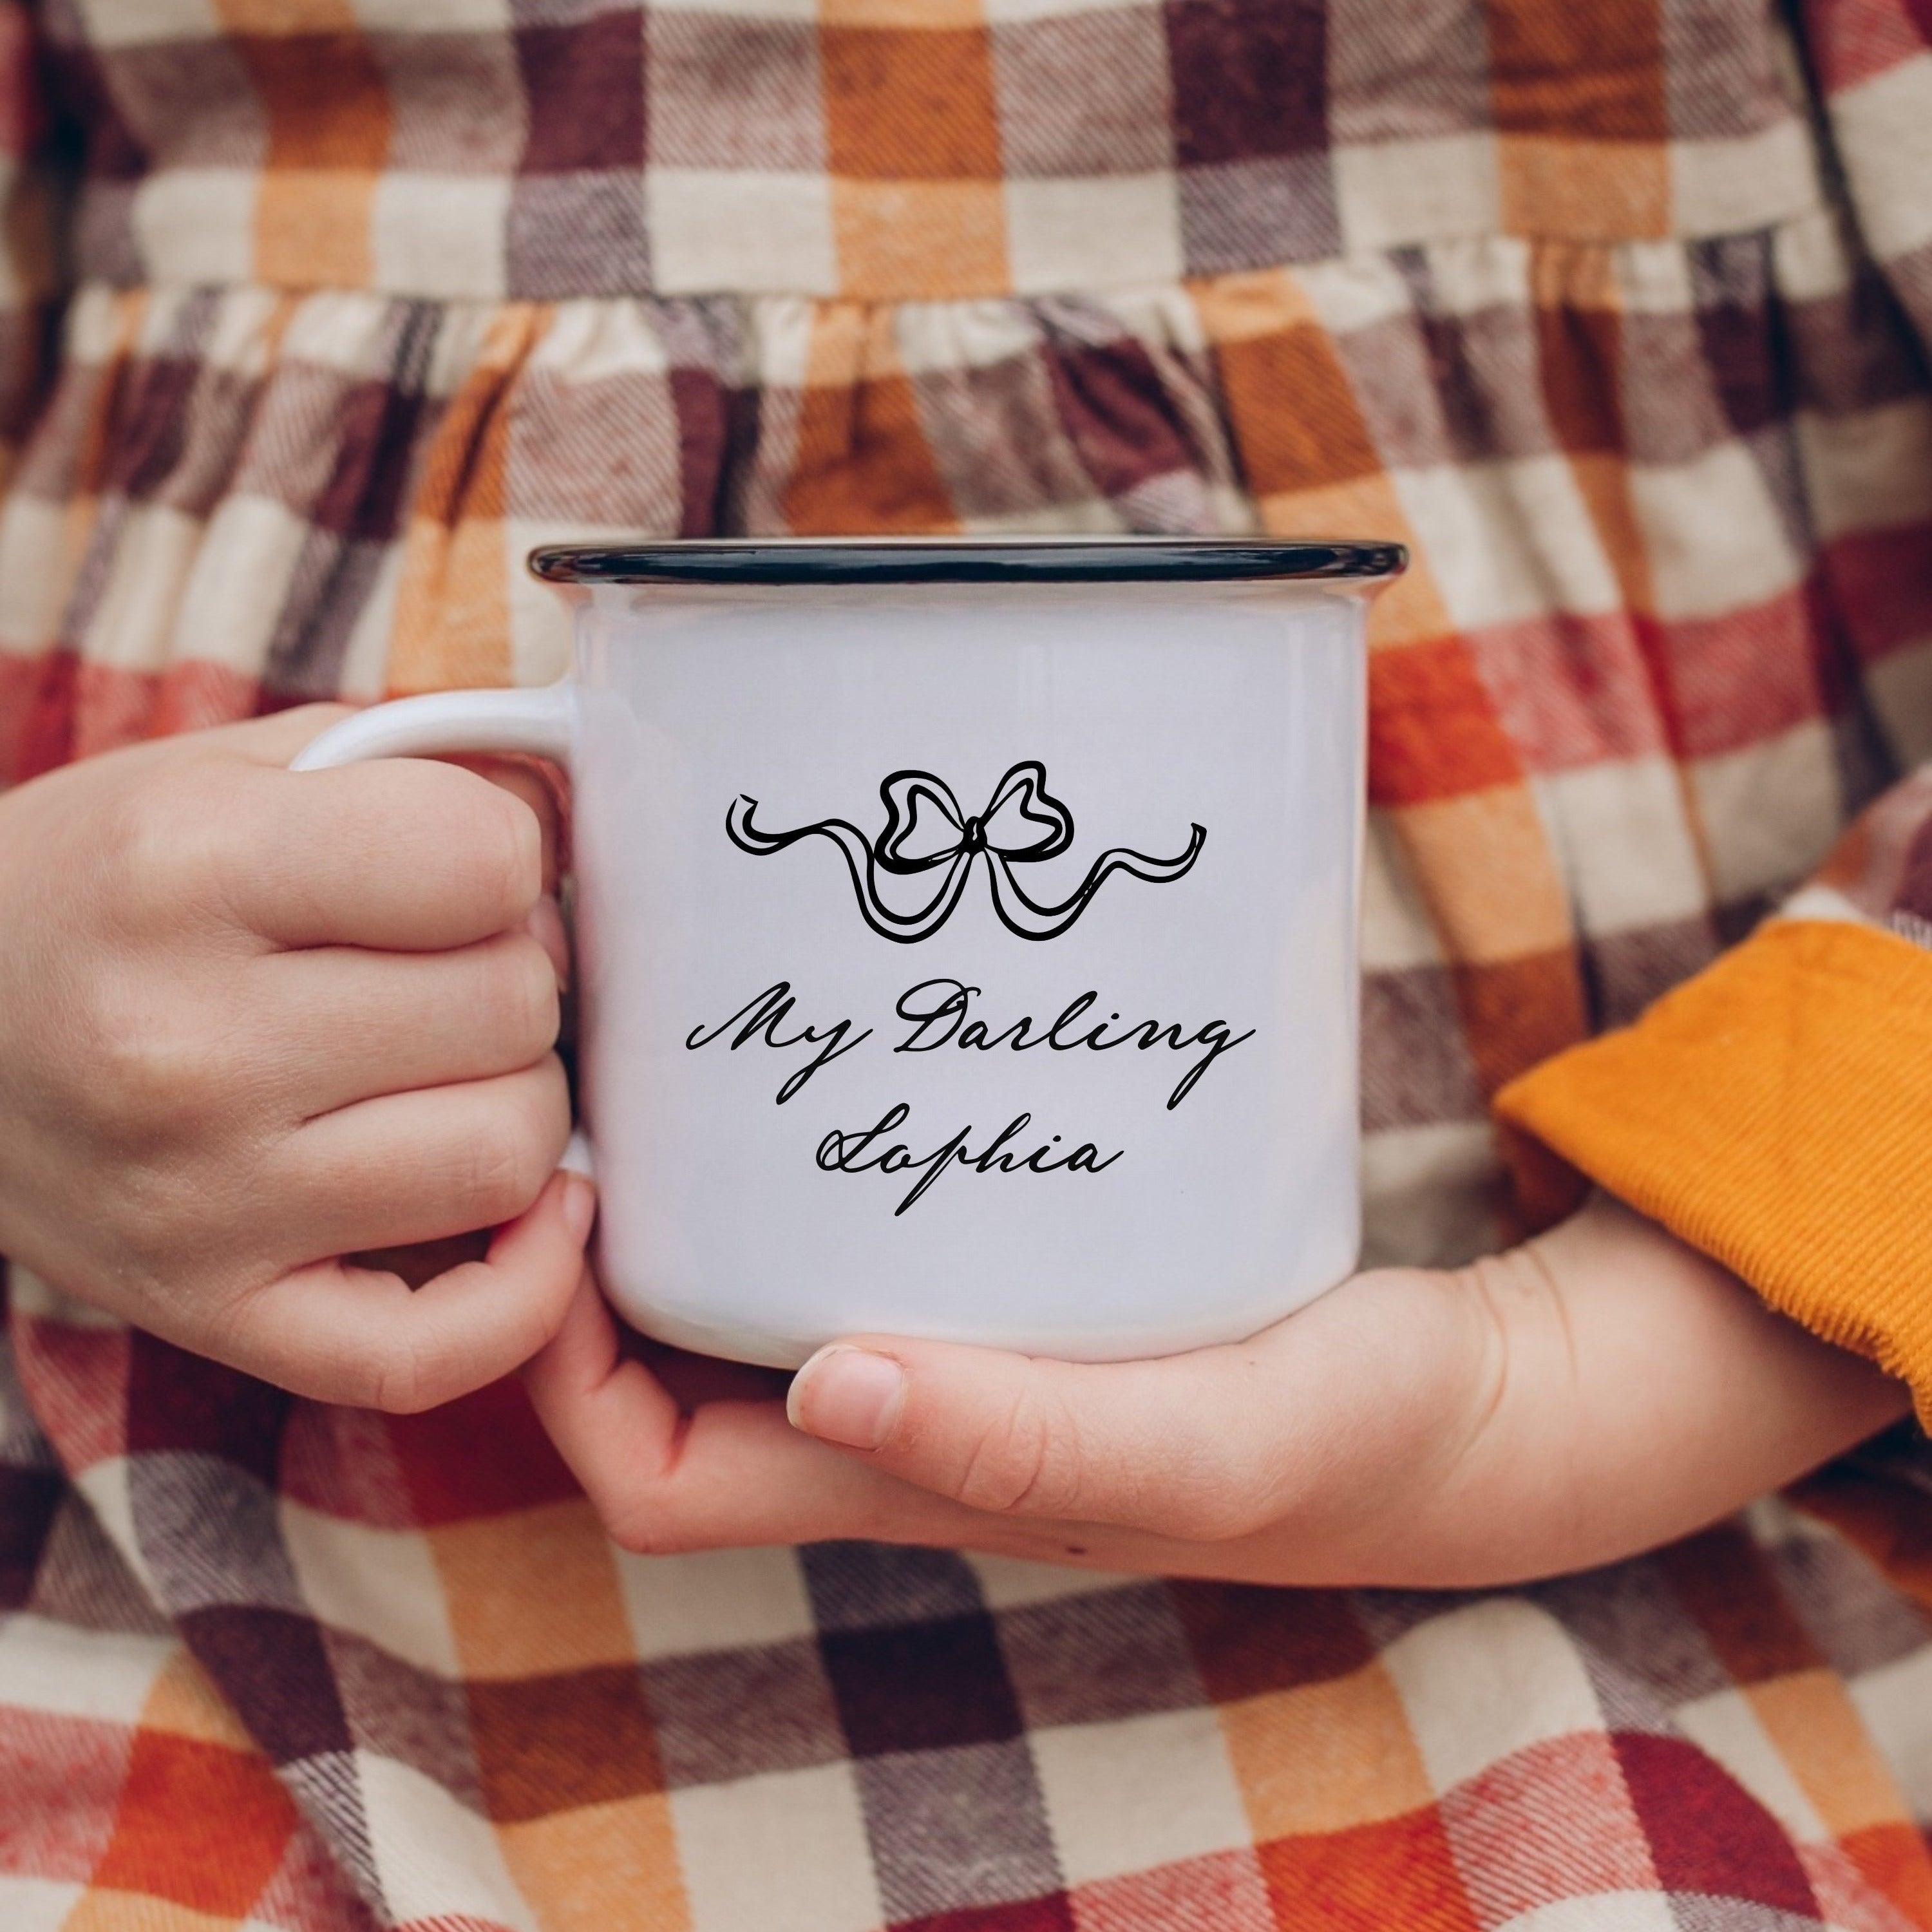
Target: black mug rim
<point x="886" y="560"/>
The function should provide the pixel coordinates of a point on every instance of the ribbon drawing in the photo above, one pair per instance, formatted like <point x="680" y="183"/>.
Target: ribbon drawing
<point x="926" y="831"/>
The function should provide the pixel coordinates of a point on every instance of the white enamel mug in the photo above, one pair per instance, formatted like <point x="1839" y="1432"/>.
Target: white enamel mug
<point x="966" y="930"/>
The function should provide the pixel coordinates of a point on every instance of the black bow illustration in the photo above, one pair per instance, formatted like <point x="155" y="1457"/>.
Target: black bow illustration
<point x="1022" y="824"/>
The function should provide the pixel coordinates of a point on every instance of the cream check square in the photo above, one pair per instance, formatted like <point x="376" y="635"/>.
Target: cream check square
<point x="1000" y="12"/>
<point x="37" y="1904"/>
<point x="1481" y="1682"/>
<point x="1009" y="1584"/>
<point x="1893" y="1701"/>
<point x="785" y="1852"/>
<point x="131" y="626"/>
<point x="1468" y="276"/>
<point x="65" y="1671"/>
<point x="1712" y="534"/>
<point x="380" y="1584"/>
<point x="126" y="23"/>
<point x="1608" y="1912"/>
<point x="434" y="16"/>
<point x="233" y="597"/>
<point x="433" y="1857"/>
<point x="1620" y="832"/>
<point x="1163" y="317"/>
<point x="1396" y="929"/>
<point x="761" y="233"/>
<point x="440" y="235"/>
<point x="716" y="1599"/>
<point x="939" y="338"/>
<point x="1140" y="1792"/>
<point x="339" y="329"/>
<point x="1736" y="186"/>
<point x="1808" y="258"/>
<point x="242" y="341"/>
<point x="200" y="221"/>
<point x="1769" y="811"/>
<point x="601" y="341"/>
<point x="779" y="332"/>
<point x="1104" y="231"/>
<point x="1653" y="278"/>
<point x="1821" y="902"/>
<point x="95" y="324"/>
<point x="1389" y="194"/>
<point x="803" y="11"/>
<point x="1356" y="294"/>
<point x="32" y="597"/>
<point x="1885" y="132"/>
<point x="1508" y="540"/>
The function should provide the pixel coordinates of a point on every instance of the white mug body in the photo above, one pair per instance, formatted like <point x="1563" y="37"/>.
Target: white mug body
<point x="1090" y="1109"/>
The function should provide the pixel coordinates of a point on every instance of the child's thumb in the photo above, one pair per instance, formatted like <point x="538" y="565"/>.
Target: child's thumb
<point x="1150" y="1445"/>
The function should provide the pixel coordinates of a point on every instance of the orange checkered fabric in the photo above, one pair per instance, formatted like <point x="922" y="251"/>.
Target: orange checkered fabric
<point x="316" y="315"/>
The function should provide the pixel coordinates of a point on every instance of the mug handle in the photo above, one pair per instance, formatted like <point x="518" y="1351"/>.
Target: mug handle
<point x="540" y="723"/>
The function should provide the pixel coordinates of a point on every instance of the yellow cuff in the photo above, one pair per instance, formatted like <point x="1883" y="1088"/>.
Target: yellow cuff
<point x="1776" y="1111"/>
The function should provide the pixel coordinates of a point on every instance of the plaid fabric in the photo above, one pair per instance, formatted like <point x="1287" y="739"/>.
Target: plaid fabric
<point x="375" y="295"/>
<point x="495" y="1719"/>
<point x="1669" y="623"/>
<point x="893" y="150"/>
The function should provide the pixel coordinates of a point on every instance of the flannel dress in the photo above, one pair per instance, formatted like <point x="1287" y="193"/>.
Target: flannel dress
<point x="316" y="315"/>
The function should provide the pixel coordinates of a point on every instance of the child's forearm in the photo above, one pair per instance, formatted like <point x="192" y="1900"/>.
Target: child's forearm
<point x="1655" y="1394"/>
<point x="1776" y="1111"/>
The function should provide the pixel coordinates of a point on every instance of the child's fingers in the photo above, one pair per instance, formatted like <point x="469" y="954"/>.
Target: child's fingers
<point x="544" y="790"/>
<point x="350" y="1335"/>
<point x="604" y="1413"/>
<point x="419" y="1166"/>
<point x="351" y="1024"/>
<point x="401" y="854"/>
<point x="734" y="1473"/>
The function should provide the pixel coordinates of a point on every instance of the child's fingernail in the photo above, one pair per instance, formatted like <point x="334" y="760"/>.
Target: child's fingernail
<point x="580" y="1207"/>
<point x="545" y="925"/>
<point x="847" y="1395"/>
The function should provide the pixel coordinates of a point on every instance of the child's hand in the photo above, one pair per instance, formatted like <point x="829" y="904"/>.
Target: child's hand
<point x="250" y="1022"/>
<point x="1599" y="1392"/>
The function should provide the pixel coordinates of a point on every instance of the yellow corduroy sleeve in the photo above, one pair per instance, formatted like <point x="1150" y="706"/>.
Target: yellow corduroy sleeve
<point x="1776" y="1112"/>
